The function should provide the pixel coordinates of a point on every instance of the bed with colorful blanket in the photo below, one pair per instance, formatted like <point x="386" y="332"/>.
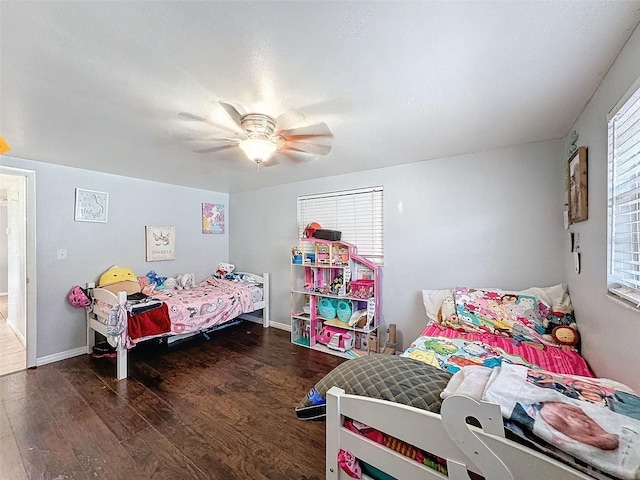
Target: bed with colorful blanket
<point x="491" y="356"/>
<point x="214" y="303"/>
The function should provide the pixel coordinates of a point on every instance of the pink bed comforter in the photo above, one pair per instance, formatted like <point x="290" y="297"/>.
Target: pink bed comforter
<point x="211" y="302"/>
<point x="549" y="358"/>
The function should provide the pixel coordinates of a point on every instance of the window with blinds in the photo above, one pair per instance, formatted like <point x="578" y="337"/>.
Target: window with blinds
<point x="623" y="239"/>
<point x="358" y="214"/>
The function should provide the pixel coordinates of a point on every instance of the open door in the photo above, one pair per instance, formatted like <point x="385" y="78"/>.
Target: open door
<point x="20" y="235"/>
<point x="16" y="259"/>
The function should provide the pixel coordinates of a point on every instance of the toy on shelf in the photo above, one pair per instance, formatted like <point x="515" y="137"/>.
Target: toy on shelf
<point x="344" y="311"/>
<point x="335" y="338"/>
<point x="327" y="308"/>
<point x="337" y="292"/>
<point x="362" y="288"/>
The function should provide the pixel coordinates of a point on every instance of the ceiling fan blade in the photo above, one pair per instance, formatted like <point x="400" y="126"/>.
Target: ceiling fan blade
<point x="317" y="130"/>
<point x="288" y="119"/>
<point x="313" y="148"/>
<point x="216" y="149"/>
<point x="196" y="118"/>
<point x="233" y="112"/>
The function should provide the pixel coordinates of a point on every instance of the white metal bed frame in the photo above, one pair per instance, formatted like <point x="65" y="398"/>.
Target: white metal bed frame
<point x="446" y="435"/>
<point x="94" y="325"/>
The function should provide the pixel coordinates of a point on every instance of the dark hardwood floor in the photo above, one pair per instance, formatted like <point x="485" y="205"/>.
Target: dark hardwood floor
<point x="218" y="409"/>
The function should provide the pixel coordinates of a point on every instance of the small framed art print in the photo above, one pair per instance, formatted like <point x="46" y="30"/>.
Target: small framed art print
<point x="91" y="206"/>
<point x="160" y="243"/>
<point x="577" y="186"/>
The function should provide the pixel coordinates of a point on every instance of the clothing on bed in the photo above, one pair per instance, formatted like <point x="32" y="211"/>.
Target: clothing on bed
<point x="151" y="321"/>
<point x="595" y="420"/>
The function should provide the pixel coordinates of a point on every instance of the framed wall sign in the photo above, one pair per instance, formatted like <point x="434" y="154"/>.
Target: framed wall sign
<point x="91" y="206"/>
<point x="160" y="243"/>
<point x="212" y="218"/>
<point x="577" y="186"/>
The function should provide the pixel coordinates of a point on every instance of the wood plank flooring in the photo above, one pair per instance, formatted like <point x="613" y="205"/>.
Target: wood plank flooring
<point x="13" y="356"/>
<point x="218" y="409"/>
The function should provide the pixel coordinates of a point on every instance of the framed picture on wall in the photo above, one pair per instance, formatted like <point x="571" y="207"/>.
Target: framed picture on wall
<point x="212" y="218"/>
<point x="91" y="206"/>
<point x="577" y="186"/>
<point x="160" y="243"/>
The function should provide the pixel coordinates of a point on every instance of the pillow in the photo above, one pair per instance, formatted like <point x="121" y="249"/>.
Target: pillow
<point x="387" y="377"/>
<point x="555" y="297"/>
<point x="520" y="315"/>
<point x="432" y="300"/>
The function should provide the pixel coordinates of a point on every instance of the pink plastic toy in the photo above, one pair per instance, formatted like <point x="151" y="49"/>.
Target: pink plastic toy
<point x="335" y="338"/>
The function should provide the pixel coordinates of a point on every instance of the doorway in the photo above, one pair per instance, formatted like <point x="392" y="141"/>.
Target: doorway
<point x="17" y="270"/>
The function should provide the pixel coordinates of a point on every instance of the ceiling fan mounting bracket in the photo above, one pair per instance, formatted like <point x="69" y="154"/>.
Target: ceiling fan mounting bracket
<point x="258" y="125"/>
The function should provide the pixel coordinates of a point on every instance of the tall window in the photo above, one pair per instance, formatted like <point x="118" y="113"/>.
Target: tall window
<point x="623" y="239"/>
<point x="355" y="213"/>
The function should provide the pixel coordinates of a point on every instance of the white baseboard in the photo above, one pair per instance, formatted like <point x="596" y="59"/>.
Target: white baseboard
<point x="56" y="357"/>
<point x="281" y="326"/>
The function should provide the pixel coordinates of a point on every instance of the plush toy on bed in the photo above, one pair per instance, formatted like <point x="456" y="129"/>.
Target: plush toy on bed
<point x="566" y="336"/>
<point x="170" y="283"/>
<point x="225" y="269"/>
<point x="185" y="281"/>
<point x="158" y="280"/>
<point x="118" y="279"/>
<point x="146" y="286"/>
<point x="555" y="320"/>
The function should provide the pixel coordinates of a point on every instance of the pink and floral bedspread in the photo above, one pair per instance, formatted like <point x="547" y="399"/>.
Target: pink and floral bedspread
<point x="554" y="359"/>
<point x="211" y="302"/>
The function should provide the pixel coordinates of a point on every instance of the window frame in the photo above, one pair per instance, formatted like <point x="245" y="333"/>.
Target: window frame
<point x="368" y="236"/>
<point x="616" y="285"/>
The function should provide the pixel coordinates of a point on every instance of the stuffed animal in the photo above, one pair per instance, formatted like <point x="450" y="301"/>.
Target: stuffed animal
<point x="557" y="319"/>
<point x="171" y="283"/>
<point x="155" y="278"/>
<point x="186" y="281"/>
<point x="565" y="336"/>
<point x="224" y="269"/>
<point x="146" y="286"/>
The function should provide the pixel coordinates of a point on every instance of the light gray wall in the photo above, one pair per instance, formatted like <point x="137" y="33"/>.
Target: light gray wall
<point x="3" y="249"/>
<point x="94" y="247"/>
<point x="483" y="219"/>
<point x="610" y="332"/>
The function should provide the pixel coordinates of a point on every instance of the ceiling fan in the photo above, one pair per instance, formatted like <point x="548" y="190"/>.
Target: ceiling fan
<point x="260" y="136"/>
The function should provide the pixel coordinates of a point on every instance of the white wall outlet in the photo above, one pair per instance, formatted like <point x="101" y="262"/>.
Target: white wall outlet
<point x="62" y="254"/>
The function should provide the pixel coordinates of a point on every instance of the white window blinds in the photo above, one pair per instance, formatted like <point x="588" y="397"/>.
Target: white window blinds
<point x="358" y="214"/>
<point x="623" y="238"/>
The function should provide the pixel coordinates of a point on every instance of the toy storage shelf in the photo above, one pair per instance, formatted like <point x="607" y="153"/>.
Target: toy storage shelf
<point x="335" y="298"/>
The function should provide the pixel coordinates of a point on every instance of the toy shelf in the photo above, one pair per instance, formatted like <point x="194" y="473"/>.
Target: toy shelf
<point x="335" y="298"/>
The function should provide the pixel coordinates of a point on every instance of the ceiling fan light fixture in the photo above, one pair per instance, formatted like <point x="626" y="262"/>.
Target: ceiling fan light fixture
<point x="258" y="149"/>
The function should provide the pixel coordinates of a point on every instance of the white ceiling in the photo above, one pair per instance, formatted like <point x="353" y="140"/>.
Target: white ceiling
<point x="99" y="85"/>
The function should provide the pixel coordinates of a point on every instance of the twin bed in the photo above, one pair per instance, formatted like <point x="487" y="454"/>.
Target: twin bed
<point x="487" y="359"/>
<point x="212" y="304"/>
